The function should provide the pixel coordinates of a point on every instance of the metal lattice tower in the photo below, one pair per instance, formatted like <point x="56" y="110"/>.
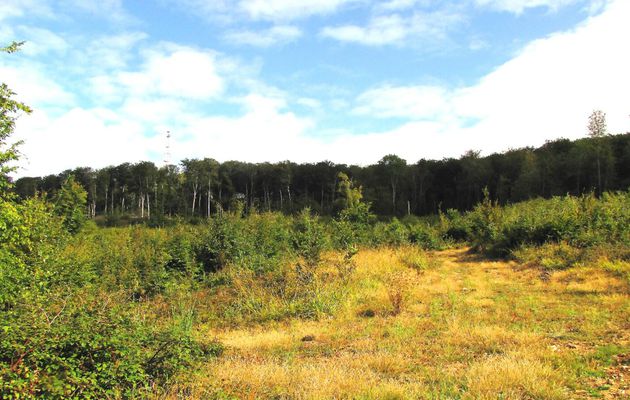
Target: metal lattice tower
<point x="167" y="152"/>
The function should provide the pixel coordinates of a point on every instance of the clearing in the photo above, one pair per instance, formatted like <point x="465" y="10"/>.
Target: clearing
<point x="466" y="328"/>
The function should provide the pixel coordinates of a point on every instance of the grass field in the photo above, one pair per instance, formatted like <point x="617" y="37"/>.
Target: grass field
<point x="444" y="325"/>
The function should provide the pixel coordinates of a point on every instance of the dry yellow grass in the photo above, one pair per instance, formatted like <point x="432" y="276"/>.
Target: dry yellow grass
<point x="465" y="329"/>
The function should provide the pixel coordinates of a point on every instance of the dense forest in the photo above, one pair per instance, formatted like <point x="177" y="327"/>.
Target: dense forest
<point x="201" y="188"/>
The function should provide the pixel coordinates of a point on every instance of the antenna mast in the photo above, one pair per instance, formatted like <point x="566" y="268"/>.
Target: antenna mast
<point x="167" y="152"/>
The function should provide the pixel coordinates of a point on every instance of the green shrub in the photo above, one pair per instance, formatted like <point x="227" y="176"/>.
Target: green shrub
<point x="426" y="237"/>
<point x="269" y="239"/>
<point x="180" y="250"/>
<point x="30" y="236"/>
<point x="87" y="344"/>
<point x="618" y="268"/>
<point x="581" y="222"/>
<point x="455" y="226"/>
<point x="222" y="242"/>
<point x="549" y="256"/>
<point x="394" y="233"/>
<point x="484" y="222"/>
<point x="308" y="238"/>
<point x="70" y="203"/>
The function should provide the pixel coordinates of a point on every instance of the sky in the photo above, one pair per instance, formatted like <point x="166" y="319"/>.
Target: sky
<point x="347" y="81"/>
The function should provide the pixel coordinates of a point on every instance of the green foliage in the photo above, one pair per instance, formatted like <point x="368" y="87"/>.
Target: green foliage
<point x="9" y="111"/>
<point x="417" y="260"/>
<point x="455" y="226"/>
<point x="349" y="197"/>
<point x="259" y="243"/>
<point x="394" y="233"/>
<point x="222" y="243"/>
<point x="483" y="222"/>
<point x="579" y="221"/>
<point x="70" y="203"/>
<point x="180" y="252"/>
<point x="619" y="268"/>
<point x="269" y="239"/>
<point x="549" y="256"/>
<point x="88" y="344"/>
<point x="427" y="237"/>
<point x="62" y="335"/>
<point x="30" y="236"/>
<point x="309" y="239"/>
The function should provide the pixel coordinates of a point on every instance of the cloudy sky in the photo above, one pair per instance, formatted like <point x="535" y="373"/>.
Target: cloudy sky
<point x="310" y="80"/>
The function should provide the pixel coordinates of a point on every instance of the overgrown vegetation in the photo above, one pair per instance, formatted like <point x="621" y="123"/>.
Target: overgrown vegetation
<point x="137" y="311"/>
<point x="103" y="312"/>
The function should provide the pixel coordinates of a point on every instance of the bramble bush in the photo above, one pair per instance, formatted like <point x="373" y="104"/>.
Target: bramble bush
<point x="582" y="222"/>
<point x="70" y="327"/>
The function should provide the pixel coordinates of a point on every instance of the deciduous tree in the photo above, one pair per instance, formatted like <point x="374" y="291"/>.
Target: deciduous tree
<point x="10" y="109"/>
<point x="597" y="130"/>
<point x="70" y="204"/>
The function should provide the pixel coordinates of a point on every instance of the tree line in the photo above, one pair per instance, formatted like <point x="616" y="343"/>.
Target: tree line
<point x="394" y="187"/>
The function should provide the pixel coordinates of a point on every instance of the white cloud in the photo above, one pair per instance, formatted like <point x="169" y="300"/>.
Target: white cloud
<point x="33" y="87"/>
<point x="547" y="91"/>
<point x="111" y="51"/>
<point x="79" y="137"/>
<point x="20" y="8"/>
<point x="153" y="111"/>
<point x="267" y="10"/>
<point x="518" y="6"/>
<point x="112" y="10"/>
<point x="395" y="5"/>
<point x="263" y="133"/>
<point x="309" y="102"/>
<point x="289" y="9"/>
<point x="279" y="34"/>
<point x="40" y="41"/>
<point x="134" y="105"/>
<point x="180" y="72"/>
<point x="101" y="137"/>
<point x="397" y="29"/>
<point x="411" y="102"/>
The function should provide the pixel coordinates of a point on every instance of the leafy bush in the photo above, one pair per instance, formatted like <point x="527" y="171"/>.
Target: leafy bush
<point x="455" y="225"/>
<point x="259" y="242"/>
<point x="308" y="238"/>
<point x="269" y="239"/>
<point x="549" y="256"/>
<point x="418" y="261"/>
<point x="426" y="237"/>
<point x="581" y="222"/>
<point x="29" y="236"/>
<point x="618" y="268"/>
<point x="86" y="344"/>
<point x="70" y="204"/>
<point x="67" y="326"/>
<point x="222" y="242"/>
<point x="394" y="233"/>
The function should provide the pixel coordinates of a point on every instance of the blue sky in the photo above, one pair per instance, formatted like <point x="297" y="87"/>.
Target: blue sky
<point x="341" y="80"/>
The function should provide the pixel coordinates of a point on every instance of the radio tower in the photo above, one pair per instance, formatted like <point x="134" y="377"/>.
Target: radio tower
<point x="167" y="152"/>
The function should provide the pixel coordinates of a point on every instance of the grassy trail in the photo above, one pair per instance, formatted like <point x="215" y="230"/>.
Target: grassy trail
<point x="466" y="328"/>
